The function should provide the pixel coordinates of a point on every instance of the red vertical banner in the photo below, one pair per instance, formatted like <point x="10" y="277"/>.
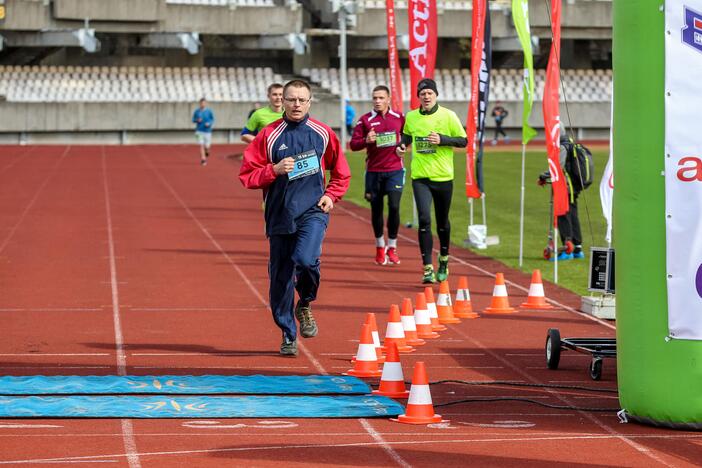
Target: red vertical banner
<point x="476" y="59"/>
<point x="422" y="43"/>
<point x="393" y="59"/>
<point x="552" y="119"/>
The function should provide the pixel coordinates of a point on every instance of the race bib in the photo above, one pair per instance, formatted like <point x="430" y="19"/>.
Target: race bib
<point x="423" y="146"/>
<point x="306" y="164"/>
<point x="385" y="139"/>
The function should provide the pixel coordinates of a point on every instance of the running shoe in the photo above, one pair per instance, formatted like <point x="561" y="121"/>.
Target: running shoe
<point x="308" y="326"/>
<point x="288" y="347"/>
<point x="562" y="257"/>
<point x="442" y="274"/>
<point x="392" y="256"/>
<point x="380" y="257"/>
<point x="428" y="276"/>
<point x="203" y="162"/>
<point x="578" y="254"/>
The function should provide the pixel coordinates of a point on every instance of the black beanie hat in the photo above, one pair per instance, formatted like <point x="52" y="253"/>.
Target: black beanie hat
<point x="427" y="83"/>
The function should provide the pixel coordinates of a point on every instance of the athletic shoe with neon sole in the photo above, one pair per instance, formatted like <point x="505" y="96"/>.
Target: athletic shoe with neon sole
<point x="442" y="274"/>
<point x="308" y="325"/>
<point x="380" y="257"/>
<point x="428" y="277"/>
<point x="392" y="256"/>
<point x="562" y="257"/>
<point x="579" y="254"/>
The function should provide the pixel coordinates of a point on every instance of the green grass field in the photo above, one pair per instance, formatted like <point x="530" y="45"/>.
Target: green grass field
<point x="502" y="171"/>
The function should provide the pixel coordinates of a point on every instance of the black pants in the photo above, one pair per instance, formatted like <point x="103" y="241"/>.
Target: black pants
<point x="440" y="192"/>
<point x="499" y="130"/>
<point x="393" y="214"/>
<point x="569" y="223"/>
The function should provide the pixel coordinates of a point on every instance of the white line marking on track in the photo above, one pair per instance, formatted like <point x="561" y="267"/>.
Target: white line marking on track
<point x="197" y="309"/>
<point x="55" y="354"/>
<point x="200" y="354"/>
<point x="414" y="354"/>
<point x="317" y="365"/>
<point x="52" y="366"/>
<point x="17" y="159"/>
<point x="364" y="444"/>
<point x="224" y="367"/>
<point x="33" y="200"/>
<point x="47" y="309"/>
<point x="127" y="428"/>
<point x="28" y="426"/>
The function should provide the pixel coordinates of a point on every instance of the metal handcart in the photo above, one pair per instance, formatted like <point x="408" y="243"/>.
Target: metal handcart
<point x="598" y="348"/>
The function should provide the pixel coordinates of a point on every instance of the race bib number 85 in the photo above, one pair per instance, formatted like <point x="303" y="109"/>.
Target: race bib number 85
<point x="306" y="164"/>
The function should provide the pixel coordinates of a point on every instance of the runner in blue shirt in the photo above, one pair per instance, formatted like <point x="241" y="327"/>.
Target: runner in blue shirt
<point x="203" y="118"/>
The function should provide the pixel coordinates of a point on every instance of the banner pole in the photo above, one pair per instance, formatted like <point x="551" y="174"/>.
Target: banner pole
<point x="521" y="210"/>
<point x="555" y="253"/>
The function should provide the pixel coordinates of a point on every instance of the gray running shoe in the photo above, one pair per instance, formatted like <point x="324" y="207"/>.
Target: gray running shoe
<point x="308" y="326"/>
<point x="288" y="347"/>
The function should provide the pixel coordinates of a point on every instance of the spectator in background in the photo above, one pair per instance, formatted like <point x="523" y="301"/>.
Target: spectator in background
<point x="350" y="114"/>
<point x="265" y="115"/>
<point x="203" y="118"/>
<point x="499" y="113"/>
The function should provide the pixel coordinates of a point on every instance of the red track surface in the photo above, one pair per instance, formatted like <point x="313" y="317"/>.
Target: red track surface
<point x="137" y="260"/>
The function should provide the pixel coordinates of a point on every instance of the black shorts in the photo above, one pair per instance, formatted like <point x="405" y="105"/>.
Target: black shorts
<point x="381" y="183"/>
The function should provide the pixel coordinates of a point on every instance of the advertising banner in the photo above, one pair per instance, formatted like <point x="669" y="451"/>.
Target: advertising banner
<point x="422" y="43"/>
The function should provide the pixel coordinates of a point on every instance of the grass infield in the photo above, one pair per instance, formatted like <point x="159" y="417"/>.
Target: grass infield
<point x="502" y="169"/>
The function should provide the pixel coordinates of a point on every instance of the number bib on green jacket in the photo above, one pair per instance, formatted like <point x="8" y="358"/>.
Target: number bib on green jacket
<point x="423" y="146"/>
<point x="385" y="139"/>
<point x="306" y="164"/>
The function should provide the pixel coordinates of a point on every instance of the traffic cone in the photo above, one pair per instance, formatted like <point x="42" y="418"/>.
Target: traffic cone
<point x="392" y="382"/>
<point x="500" y="302"/>
<point x="463" y="307"/>
<point x="408" y="324"/>
<point x="420" y="409"/>
<point x="421" y="318"/>
<point x="370" y="320"/>
<point x="536" y="298"/>
<point x="366" y="364"/>
<point x="443" y="304"/>
<point x="433" y="313"/>
<point x="395" y="333"/>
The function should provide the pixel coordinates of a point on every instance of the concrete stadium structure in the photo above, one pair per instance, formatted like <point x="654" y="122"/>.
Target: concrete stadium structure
<point x="98" y="38"/>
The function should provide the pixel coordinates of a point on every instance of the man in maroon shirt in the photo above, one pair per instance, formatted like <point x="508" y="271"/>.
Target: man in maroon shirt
<point x="379" y="132"/>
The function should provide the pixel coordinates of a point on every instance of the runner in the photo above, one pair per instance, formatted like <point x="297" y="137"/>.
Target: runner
<point x="378" y="132"/>
<point x="203" y="118"/>
<point x="264" y="115"/>
<point x="288" y="161"/>
<point x="433" y="132"/>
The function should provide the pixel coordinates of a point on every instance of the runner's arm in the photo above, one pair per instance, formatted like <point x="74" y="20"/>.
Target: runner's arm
<point x="458" y="142"/>
<point x="256" y="170"/>
<point x="358" y="140"/>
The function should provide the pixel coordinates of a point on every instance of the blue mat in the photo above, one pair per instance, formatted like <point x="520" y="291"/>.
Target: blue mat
<point x="199" y="407"/>
<point x="183" y="385"/>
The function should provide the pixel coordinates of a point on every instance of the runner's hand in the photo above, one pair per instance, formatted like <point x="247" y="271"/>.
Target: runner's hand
<point x="434" y="138"/>
<point x="325" y="203"/>
<point x="400" y="150"/>
<point x="370" y="138"/>
<point x="284" y="166"/>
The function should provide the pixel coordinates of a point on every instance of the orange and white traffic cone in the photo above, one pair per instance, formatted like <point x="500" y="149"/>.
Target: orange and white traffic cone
<point x="392" y="382"/>
<point x="370" y="320"/>
<point x="500" y="301"/>
<point x="366" y="364"/>
<point x="463" y="307"/>
<point x="536" y="298"/>
<point x="408" y="324"/>
<point x="420" y="409"/>
<point x="394" y="333"/>
<point x="433" y="313"/>
<point x="421" y="318"/>
<point x="443" y="304"/>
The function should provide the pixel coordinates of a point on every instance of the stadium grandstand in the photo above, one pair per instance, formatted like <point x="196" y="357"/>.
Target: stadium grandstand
<point x="132" y="70"/>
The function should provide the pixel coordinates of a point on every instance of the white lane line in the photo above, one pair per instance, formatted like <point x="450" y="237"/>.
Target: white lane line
<point x="441" y="367"/>
<point x="58" y="366"/>
<point x="492" y="275"/>
<point x="34" y="199"/>
<point x="48" y="309"/>
<point x="317" y="365"/>
<point x="223" y="367"/>
<point x="196" y="309"/>
<point x="127" y="428"/>
<point x="26" y="426"/>
<point x="415" y="354"/>
<point x="18" y="158"/>
<point x="54" y="354"/>
<point x="262" y="353"/>
<point x="576" y="438"/>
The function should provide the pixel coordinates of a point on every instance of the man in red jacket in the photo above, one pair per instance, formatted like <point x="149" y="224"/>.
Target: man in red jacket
<point x="379" y="132"/>
<point x="288" y="160"/>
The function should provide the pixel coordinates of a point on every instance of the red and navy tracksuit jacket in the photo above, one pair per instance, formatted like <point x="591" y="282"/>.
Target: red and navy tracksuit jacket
<point x="287" y="200"/>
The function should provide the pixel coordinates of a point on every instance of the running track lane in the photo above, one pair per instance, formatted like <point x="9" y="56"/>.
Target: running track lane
<point x="190" y="269"/>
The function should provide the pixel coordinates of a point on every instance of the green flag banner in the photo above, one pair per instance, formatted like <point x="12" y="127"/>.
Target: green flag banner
<point x="520" y="16"/>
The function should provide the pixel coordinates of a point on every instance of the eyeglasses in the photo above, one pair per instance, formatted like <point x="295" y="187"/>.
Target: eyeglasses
<point x="297" y="100"/>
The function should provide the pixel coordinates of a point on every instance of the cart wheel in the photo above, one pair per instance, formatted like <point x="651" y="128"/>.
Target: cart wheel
<point x="596" y="368"/>
<point x="547" y="253"/>
<point x="569" y="247"/>
<point x="553" y="348"/>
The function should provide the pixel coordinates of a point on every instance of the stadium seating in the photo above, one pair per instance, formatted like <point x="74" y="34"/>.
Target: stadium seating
<point x="253" y="3"/>
<point x="134" y="84"/>
<point x="454" y="85"/>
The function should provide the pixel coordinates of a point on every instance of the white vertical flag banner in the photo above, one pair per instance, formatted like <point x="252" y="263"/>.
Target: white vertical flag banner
<point x="607" y="183"/>
<point x="683" y="167"/>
